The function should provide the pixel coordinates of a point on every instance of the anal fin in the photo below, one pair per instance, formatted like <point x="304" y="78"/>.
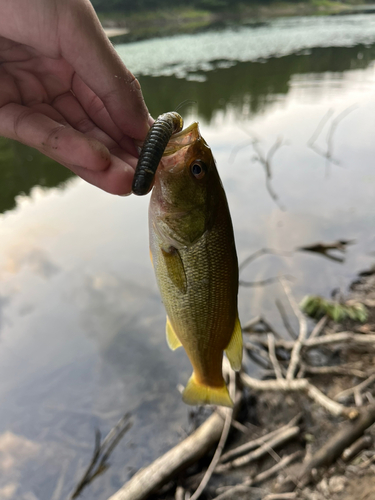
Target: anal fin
<point x="172" y="339"/>
<point x="234" y="348"/>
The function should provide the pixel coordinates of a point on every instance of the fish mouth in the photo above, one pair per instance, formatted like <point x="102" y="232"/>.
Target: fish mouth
<point x="175" y="152"/>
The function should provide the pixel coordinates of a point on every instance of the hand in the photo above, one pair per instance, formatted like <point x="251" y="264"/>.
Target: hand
<point x="65" y="91"/>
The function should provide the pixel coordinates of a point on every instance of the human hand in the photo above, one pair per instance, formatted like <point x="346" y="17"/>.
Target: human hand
<point x="65" y="91"/>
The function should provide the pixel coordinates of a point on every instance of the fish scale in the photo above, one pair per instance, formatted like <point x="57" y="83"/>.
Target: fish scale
<point x="195" y="262"/>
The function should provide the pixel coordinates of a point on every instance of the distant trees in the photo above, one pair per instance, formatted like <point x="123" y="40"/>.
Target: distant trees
<point x="139" y="5"/>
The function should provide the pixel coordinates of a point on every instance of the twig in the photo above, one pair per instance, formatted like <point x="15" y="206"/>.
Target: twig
<point x="259" y="253"/>
<point x="285" y="319"/>
<point x="301" y="385"/>
<point x="251" y="445"/>
<point x="334" y="370"/>
<point x="102" y="452"/>
<point x="328" y="453"/>
<point x="360" y="444"/>
<point x="180" y="493"/>
<point x="281" y="496"/>
<point x="272" y="355"/>
<point x="252" y="348"/>
<point x="344" y="395"/>
<point x="179" y="458"/>
<point x="335" y="122"/>
<point x="276" y="441"/>
<point x="319" y="327"/>
<point x="265" y="161"/>
<point x="220" y="446"/>
<point x="247" y="327"/>
<point x="334" y="338"/>
<point x="295" y="356"/>
<point x="267" y="281"/>
<point x="263" y="476"/>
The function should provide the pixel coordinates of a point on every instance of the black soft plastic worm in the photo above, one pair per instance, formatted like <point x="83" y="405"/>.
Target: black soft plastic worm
<point x="153" y="148"/>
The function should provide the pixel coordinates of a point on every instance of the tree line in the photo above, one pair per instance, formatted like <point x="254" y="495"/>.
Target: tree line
<point x="139" y="5"/>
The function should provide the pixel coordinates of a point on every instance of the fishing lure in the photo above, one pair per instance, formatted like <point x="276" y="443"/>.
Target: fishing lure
<point x="153" y="148"/>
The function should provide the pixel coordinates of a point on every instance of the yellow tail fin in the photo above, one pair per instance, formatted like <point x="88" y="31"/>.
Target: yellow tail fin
<point x="199" y="394"/>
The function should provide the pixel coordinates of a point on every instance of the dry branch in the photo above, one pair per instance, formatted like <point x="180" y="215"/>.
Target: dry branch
<point x="327" y="454"/>
<point x="333" y="370"/>
<point x="362" y="443"/>
<point x="251" y="445"/>
<point x="273" y="358"/>
<point x="285" y="319"/>
<point x="275" y="442"/>
<point x="319" y="327"/>
<point x="164" y="468"/>
<point x="263" y="476"/>
<point x="345" y="395"/>
<point x="302" y="385"/>
<point x="223" y="440"/>
<point x="334" y="338"/>
<point x="296" y="350"/>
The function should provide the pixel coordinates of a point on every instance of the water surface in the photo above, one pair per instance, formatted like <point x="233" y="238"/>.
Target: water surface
<point x="81" y="321"/>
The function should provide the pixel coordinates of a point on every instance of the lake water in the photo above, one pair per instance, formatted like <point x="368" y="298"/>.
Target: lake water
<point x="81" y="321"/>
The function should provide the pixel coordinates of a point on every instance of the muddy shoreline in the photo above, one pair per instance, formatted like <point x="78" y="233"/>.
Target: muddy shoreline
<point x="306" y="447"/>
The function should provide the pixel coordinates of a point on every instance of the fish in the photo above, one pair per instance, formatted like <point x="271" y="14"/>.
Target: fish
<point x="193" y="252"/>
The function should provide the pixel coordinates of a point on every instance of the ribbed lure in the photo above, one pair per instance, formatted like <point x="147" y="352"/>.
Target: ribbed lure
<point x="153" y="148"/>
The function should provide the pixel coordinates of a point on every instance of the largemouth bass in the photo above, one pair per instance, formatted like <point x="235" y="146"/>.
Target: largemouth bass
<point x="194" y="257"/>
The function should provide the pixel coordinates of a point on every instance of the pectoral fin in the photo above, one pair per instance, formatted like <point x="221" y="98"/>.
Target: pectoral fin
<point x="234" y="348"/>
<point x="172" y="339"/>
<point x="175" y="268"/>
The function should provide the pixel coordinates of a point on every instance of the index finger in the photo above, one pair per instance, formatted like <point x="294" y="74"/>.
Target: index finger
<point x="86" y="47"/>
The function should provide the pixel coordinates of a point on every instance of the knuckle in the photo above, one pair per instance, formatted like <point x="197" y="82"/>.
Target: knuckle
<point x="95" y="106"/>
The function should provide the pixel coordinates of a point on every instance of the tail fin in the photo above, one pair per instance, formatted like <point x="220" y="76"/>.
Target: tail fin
<point x="200" y="394"/>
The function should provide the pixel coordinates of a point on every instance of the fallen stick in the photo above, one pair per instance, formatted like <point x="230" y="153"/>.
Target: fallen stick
<point x="223" y="440"/>
<point x="302" y="385"/>
<point x="340" y="337"/>
<point x="251" y="445"/>
<point x="344" y="395"/>
<point x="295" y="355"/>
<point x="361" y="444"/>
<point x="334" y="370"/>
<point x="263" y="476"/>
<point x="179" y="458"/>
<point x="285" y="319"/>
<point x="319" y="327"/>
<point x="328" y="453"/>
<point x="275" y="442"/>
<point x="282" y="496"/>
<point x="273" y="358"/>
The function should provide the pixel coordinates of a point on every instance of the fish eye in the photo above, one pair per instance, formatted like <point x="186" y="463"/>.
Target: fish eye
<point x="198" y="169"/>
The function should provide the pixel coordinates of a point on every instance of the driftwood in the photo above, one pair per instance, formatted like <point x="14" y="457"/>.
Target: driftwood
<point x="259" y="478"/>
<point x="334" y="338"/>
<point x="251" y="445"/>
<point x="179" y="458"/>
<point x="278" y="440"/>
<point x="327" y="454"/>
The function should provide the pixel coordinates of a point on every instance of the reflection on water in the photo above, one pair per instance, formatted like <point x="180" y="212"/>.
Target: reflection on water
<point x="22" y="168"/>
<point x="81" y="321"/>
